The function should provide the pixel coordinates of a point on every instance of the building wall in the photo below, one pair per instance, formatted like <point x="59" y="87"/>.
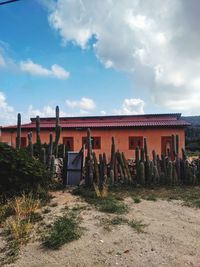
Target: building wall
<point x="121" y="136"/>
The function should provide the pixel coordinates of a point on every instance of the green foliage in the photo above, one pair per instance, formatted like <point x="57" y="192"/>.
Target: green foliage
<point x="19" y="171"/>
<point x="136" y="200"/>
<point x="107" y="204"/>
<point x="65" y="229"/>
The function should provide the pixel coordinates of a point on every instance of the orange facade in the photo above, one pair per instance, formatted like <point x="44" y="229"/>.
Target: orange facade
<point x="154" y="136"/>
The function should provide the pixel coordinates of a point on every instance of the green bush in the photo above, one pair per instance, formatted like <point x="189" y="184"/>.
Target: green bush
<point x="19" y="171"/>
<point x="65" y="229"/>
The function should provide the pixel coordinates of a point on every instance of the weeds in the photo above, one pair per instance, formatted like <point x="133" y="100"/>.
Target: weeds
<point x="151" y="198"/>
<point x="65" y="229"/>
<point x="107" y="204"/>
<point x="6" y="211"/>
<point x="136" y="200"/>
<point x="136" y="225"/>
<point x="18" y="229"/>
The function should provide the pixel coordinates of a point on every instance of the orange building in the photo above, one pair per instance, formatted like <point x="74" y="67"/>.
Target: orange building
<point x="129" y="132"/>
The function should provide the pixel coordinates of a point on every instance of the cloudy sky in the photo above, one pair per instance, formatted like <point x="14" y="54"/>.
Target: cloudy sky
<point x="99" y="57"/>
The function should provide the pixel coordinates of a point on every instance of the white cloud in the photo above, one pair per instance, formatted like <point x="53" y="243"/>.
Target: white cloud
<point x="84" y="103"/>
<point x="6" y="111"/>
<point x="132" y="106"/>
<point x="3" y="103"/>
<point x="35" y="69"/>
<point x="156" y="43"/>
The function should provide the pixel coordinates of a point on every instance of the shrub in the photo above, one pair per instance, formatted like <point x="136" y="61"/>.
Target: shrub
<point x="64" y="230"/>
<point x="19" y="171"/>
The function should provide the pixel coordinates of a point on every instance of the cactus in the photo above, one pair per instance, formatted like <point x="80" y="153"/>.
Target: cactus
<point x="174" y="174"/>
<point x="137" y="163"/>
<point x="155" y="175"/>
<point x="89" y="144"/>
<point x="105" y="174"/>
<point x="177" y="145"/>
<point x="38" y="140"/>
<point x="18" y="138"/>
<point x="123" y="169"/>
<point x="50" y="144"/>
<point x="126" y="167"/>
<point x="43" y="155"/>
<point x="58" y="131"/>
<point x="169" y="173"/>
<point x="142" y="154"/>
<point x="57" y="116"/>
<point x="112" y="180"/>
<point x="52" y="167"/>
<point x="173" y="145"/>
<point x="96" y="169"/>
<point x="145" y="148"/>
<point x="141" y="173"/>
<point x="116" y="173"/>
<point x="147" y="171"/>
<point x="154" y="158"/>
<point x="30" y="144"/>
<point x="184" y="155"/>
<point x="112" y="161"/>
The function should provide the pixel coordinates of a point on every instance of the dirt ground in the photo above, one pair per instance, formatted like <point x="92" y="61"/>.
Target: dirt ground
<point x="171" y="237"/>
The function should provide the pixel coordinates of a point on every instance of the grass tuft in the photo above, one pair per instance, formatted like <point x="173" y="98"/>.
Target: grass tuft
<point x="136" y="200"/>
<point x="107" y="204"/>
<point x="137" y="225"/>
<point x="65" y="229"/>
<point x="151" y="197"/>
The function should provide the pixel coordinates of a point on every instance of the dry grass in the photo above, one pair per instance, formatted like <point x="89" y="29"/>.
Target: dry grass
<point x="19" y="229"/>
<point x="25" y="205"/>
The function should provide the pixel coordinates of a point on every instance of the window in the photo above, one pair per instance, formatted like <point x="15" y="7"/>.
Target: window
<point x="135" y="141"/>
<point x="69" y="143"/>
<point x="96" y="142"/>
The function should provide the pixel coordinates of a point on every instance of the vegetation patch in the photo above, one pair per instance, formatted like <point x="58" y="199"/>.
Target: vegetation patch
<point x="108" y="204"/>
<point x="64" y="230"/>
<point x="137" y="226"/>
<point x="190" y="195"/>
<point x="118" y="220"/>
<point x="151" y="197"/>
<point x="136" y="200"/>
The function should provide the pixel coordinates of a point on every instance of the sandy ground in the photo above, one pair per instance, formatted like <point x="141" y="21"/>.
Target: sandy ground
<point x="171" y="238"/>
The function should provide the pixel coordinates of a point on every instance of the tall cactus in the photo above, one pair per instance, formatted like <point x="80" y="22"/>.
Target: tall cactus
<point x="57" y="116"/>
<point x="112" y="161"/>
<point x="18" y="138"/>
<point x="38" y="140"/>
<point x="43" y="156"/>
<point x="142" y="173"/>
<point x="57" y="130"/>
<point x="177" y="145"/>
<point x="145" y="148"/>
<point x="89" y="163"/>
<point x="30" y="144"/>
<point x="96" y="169"/>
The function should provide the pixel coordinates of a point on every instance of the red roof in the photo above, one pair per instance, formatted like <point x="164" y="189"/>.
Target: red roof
<point x="149" y="120"/>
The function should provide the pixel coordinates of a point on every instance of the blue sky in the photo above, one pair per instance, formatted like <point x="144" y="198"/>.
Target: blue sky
<point x="79" y="56"/>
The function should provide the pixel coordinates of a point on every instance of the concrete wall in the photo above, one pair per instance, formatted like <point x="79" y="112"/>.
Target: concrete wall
<point x="121" y="138"/>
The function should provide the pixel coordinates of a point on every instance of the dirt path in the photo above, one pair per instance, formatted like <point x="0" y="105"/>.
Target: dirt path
<point x="172" y="238"/>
